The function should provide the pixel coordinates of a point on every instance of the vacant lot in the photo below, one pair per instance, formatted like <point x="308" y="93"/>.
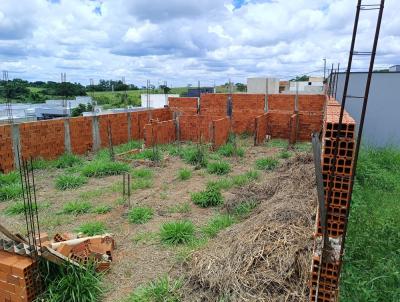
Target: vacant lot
<point x="178" y="204"/>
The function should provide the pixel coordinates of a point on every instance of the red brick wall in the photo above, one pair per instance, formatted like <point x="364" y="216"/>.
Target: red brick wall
<point x="159" y="133"/>
<point x="279" y="123"/>
<point x="80" y="129"/>
<point x="245" y="108"/>
<point x="42" y="139"/>
<point x="212" y="104"/>
<point x="187" y="106"/>
<point x="119" y="128"/>
<point x="221" y="129"/>
<point x="195" y="127"/>
<point x="309" y="122"/>
<point x="282" y="102"/>
<point x="6" y="152"/>
<point x="311" y="102"/>
<point x="261" y="123"/>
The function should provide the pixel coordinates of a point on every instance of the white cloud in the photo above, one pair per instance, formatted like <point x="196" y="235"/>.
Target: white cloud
<point x="183" y="41"/>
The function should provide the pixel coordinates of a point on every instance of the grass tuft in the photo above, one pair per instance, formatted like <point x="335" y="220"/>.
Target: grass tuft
<point x="219" y="168"/>
<point x="77" y="207"/>
<point x="17" y="208"/>
<point x="92" y="228"/>
<point x="143" y="173"/>
<point x="266" y="163"/>
<point x="140" y="215"/>
<point x="211" y="197"/>
<point x="195" y="155"/>
<point x="68" y="160"/>
<point x="244" y="209"/>
<point x="229" y="149"/>
<point x="285" y="154"/>
<point x="177" y="232"/>
<point x="99" y="168"/>
<point x="141" y="183"/>
<point x="278" y="143"/>
<point x="180" y="208"/>
<point x="184" y="174"/>
<point x="161" y="290"/>
<point x="218" y="223"/>
<point x="103" y="209"/>
<point x="70" y="181"/>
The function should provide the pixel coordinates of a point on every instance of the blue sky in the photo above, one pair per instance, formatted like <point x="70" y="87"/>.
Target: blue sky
<point x="183" y="41"/>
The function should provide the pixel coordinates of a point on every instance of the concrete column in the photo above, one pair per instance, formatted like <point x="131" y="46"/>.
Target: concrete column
<point x="16" y="144"/>
<point x="96" y="133"/>
<point x="129" y="127"/>
<point x="266" y="103"/>
<point x="67" y="137"/>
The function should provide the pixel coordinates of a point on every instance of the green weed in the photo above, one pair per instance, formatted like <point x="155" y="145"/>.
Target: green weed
<point x="144" y="237"/>
<point x="218" y="223"/>
<point x="266" y="163"/>
<point x="17" y="208"/>
<point x="180" y="208"/>
<point x="141" y="183"/>
<point x="70" y="181"/>
<point x="10" y="191"/>
<point x="244" y="209"/>
<point x="143" y="173"/>
<point x="278" y="143"/>
<point x="102" y="209"/>
<point x="77" y="207"/>
<point x="195" y="155"/>
<point x="219" y="168"/>
<point x="161" y="290"/>
<point x="92" y="228"/>
<point x="177" y="232"/>
<point x="184" y="174"/>
<point x="140" y="215"/>
<point x="128" y="146"/>
<point x="209" y="198"/>
<point x="229" y="149"/>
<point x="285" y="154"/>
<point x="67" y="160"/>
<point x="100" y="168"/>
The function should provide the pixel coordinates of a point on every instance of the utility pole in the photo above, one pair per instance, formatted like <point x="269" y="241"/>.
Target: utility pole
<point x="324" y="69"/>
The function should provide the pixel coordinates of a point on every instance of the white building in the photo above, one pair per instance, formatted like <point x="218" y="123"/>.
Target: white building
<point x="263" y="85"/>
<point x="156" y="100"/>
<point x="313" y="85"/>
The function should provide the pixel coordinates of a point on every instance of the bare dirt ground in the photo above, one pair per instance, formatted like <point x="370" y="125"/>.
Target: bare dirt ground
<point x="139" y="257"/>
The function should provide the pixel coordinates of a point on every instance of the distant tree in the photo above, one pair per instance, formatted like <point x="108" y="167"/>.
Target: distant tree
<point x="240" y="87"/>
<point x="165" y="88"/>
<point x="80" y="109"/>
<point x="303" y="78"/>
<point x="15" y="89"/>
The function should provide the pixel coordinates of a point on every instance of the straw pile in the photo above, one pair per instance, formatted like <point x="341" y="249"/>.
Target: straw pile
<point x="268" y="256"/>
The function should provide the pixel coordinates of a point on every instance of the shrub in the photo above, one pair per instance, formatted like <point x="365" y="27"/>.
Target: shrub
<point x="218" y="223"/>
<point x="177" y="232"/>
<point x="140" y="215"/>
<point x="103" y="209"/>
<point x="77" y="207"/>
<point x="219" y="168"/>
<point x="184" y="174"/>
<point x="72" y="283"/>
<point x="92" y="228"/>
<point x="67" y="160"/>
<point x="229" y="149"/>
<point x="210" y="197"/>
<point x="266" y="163"/>
<point x="160" y="290"/>
<point x="100" y="168"/>
<point x="67" y="181"/>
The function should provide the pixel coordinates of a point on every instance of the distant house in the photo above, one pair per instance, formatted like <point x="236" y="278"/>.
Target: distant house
<point x="195" y="92"/>
<point x="394" y="68"/>
<point x="155" y="100"/>
<point x="263" y="85"/>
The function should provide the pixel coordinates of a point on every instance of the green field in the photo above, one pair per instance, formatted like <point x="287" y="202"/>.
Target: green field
<point x="371" y="270"/>
<point x="109" y="99"/>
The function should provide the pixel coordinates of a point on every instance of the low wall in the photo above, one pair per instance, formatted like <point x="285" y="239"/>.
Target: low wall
<point x="220" y="133"/>
<point x="187" y="106"/>
<point x="261" y="131"/>
<point x="50" y="139"/>
<point x="159" y="133"/>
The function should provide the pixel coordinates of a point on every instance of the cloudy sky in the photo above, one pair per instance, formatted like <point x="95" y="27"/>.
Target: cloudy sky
<point x="183" y="41"/>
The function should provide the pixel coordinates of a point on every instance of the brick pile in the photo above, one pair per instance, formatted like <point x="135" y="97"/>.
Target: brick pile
<point x="6" y="151"/>
<point x="245" y="108"/>
<point x="81" y="135"/>
<point x="17" y="283"/>
<point x="186" y="106"/>
<point x="42" y="139"/>
<point x="339" y="201"/>
<point x="159" y="133"/>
